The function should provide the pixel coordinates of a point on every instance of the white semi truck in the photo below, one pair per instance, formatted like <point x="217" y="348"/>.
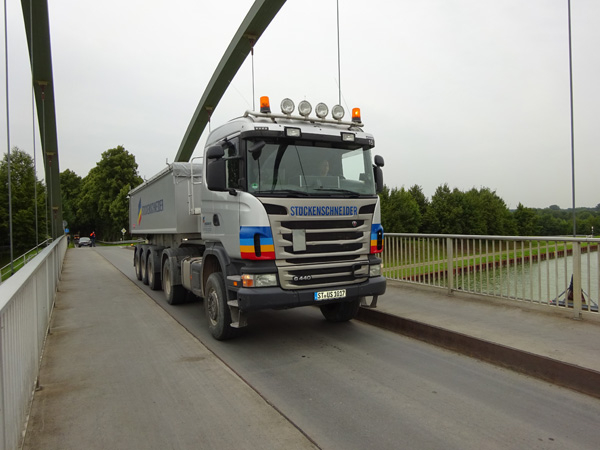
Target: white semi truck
<point x="281" y="211"/>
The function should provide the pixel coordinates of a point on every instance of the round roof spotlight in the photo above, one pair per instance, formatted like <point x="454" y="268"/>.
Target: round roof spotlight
<point x="321" y="110"/>
<point x="304" y="108"/>
<point x="287" y="106"/>
<point x="338" y="112"/>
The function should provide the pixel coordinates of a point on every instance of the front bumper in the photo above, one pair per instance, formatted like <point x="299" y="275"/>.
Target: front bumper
<point x="254" y="299"/>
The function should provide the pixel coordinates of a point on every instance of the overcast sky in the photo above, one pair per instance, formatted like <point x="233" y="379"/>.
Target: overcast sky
<point x="473" y="93"/>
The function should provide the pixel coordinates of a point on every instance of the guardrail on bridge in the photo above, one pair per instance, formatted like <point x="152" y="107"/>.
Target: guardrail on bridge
<point x="559" y="272"/>
<point x="26" y="301"/>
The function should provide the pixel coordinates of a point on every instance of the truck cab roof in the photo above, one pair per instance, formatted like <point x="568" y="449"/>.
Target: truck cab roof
<point x="253" y="122"/>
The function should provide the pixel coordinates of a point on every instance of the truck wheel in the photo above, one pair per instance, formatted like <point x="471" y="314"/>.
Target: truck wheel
<point x="175" y="293"/>
<point x="341" y="312"/>
<point x="217" y="311"/>
<point x="153" y="276"/>
<point x="137" y="262"/>
<point x="144" y="266"/>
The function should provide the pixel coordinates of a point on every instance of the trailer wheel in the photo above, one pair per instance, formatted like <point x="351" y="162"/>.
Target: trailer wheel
<point x="217" y="311"/>
<point x="144" y="265"/>
<point x="137" y="262"/>
<point x="175" y="293"/>
<point x="341" y="312"/>
<point x="153" y="275"/>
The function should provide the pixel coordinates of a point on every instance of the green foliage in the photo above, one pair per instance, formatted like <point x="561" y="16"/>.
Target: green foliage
<point x="527" y="221"/>
<point x="478" y="212"/>
<point x="422" y="201"/>
<point x="119" y="208"/>
<point x="70" y="187"/>
<point x="102" y="204"/>
<point x="446" y="214"/>
<point x="399" y="211"/>
<point x="23" y="192"/>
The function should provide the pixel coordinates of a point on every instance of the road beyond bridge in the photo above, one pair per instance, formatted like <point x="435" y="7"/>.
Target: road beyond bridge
<point x="119" y="372"/>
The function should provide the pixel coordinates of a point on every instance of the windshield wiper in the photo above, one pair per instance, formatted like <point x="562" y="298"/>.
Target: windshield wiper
<point x="342" y="191"/>
<point x="283" y="193"/>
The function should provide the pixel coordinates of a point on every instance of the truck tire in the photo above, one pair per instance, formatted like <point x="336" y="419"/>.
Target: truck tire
<point x="217" y="311"/>
<point x="153" y="276"/>
<point x="144" y="265"/>
<point x="341" y="312"/>
<point x="175" y="293"/>
<point x="137" y="262"/>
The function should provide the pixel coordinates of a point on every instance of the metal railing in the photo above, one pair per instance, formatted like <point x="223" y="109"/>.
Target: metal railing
<point x="559" y="272"/>
<point x="20" y="261"/>
<point x="26" y="301"/>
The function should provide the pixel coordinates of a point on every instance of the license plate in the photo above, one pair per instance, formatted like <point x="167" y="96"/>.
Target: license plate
<point x="329" y="295"/>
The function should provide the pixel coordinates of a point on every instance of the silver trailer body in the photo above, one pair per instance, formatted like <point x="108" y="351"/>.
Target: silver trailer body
<point x="166" y="203"/>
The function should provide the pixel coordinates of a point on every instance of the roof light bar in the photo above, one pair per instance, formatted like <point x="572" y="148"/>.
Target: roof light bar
<point x="288" y="108"/>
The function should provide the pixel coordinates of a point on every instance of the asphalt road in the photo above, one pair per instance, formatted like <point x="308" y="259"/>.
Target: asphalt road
<point x="355" y="386"/>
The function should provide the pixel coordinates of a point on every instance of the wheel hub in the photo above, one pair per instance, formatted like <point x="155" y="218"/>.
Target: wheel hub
<point x="212" y="306"/>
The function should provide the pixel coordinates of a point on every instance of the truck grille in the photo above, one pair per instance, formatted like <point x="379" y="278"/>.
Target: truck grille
<point x="317" y="253"/>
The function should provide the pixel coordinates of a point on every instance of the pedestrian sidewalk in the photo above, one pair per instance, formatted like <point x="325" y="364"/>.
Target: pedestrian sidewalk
<point x="119" y="373"/>
<point x="541" y="330"/>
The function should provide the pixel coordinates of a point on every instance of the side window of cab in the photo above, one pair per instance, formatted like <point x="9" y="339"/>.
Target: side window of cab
<point x="233" y="167"/>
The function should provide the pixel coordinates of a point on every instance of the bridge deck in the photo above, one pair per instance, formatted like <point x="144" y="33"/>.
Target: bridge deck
<point x="110" y="380"/>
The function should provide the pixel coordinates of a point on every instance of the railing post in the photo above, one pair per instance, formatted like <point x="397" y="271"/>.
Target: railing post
<point x="450" y="264"/>
<point x="576" y="280"/>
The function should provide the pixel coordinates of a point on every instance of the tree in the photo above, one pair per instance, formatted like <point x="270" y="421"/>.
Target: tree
<point x="422" y="202"/>
<point x="399" y="211"/>
<point x="492" y="216"/>
<point x="23" y="191"/>
<point x="102" y="187"/>
<point x="119" y="208"/>
<point x="445" y="214"/>
<point x="551" y="225"/>
<point x="526" y="221"/>
<point x="70" y="187"/>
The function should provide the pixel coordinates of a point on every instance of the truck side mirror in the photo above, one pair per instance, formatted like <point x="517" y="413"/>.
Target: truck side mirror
<point x="215" y="152"/>
<point x="215" y="175"/>
<point x="378" y="174"/>
<point x="215" y="169"/>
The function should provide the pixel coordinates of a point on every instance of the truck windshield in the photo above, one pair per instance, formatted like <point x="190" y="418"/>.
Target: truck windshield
<point x="298" y="169"/>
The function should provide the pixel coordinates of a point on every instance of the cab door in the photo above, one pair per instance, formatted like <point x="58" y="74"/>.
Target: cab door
<point x="221" y="208"/>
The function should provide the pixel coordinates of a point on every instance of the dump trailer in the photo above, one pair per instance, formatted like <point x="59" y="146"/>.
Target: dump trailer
<point x="281" y="211"/>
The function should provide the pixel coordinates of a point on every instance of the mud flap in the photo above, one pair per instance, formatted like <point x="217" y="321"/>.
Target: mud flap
<point x="238" y="317"/>
<point x="373" y="304"/>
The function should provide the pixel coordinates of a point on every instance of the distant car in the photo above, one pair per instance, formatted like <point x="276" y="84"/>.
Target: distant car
<point x="84" y="242"/>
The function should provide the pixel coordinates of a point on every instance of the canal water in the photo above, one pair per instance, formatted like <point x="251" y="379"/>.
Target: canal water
<point x="544" y="281"/>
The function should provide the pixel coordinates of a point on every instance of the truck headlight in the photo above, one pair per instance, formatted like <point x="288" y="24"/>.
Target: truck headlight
<point x="259" y="279"/>
<point x="375" y="270"/>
